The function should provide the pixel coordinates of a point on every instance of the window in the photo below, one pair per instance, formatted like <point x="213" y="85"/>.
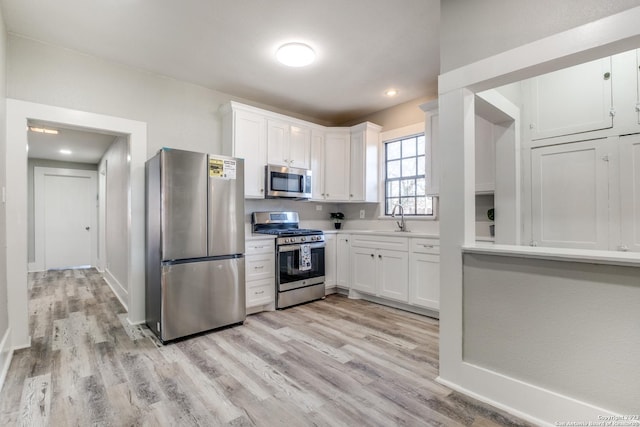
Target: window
<point x="405" y="182"/>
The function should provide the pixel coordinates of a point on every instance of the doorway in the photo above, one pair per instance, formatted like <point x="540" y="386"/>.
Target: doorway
<point x="19" y="113"/>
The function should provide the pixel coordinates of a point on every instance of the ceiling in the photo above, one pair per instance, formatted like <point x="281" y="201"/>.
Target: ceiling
<point x="363" y="47"/>
<point x="85" y="146"/>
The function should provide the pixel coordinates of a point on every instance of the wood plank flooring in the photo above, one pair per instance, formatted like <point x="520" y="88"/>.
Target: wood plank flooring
<point x="336" y="362"/>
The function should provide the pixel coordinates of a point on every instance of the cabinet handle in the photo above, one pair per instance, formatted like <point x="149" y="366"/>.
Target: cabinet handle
<point x="262" y="190"/>
<point x="346" y="240"/>
<point x="261" y="292"/>
<point x="428" y="246"/>
<point x="258" y="247"/>
<point x="258" y="267"/>
<point x="623" y="248"/>
<point x="371" y="255"/>
<point x="350" y="195"/>
<point x="380" y="256"/>
<point x="607" y="75"/>
<point x="327" y="194"/>
<point x="322" y="194"/>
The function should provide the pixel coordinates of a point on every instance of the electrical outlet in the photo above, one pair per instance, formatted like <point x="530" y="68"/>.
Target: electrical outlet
<point x="318" y="207"/>
<point x="361" y="213"/>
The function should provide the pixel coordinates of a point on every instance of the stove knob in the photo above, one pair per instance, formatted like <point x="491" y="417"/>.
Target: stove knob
<point x="302" y="239"/>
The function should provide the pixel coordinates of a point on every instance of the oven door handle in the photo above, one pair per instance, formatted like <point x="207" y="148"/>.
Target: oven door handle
<point x="296" y="247"/>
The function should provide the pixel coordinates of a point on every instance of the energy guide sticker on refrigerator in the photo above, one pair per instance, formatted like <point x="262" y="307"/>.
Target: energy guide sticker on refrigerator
<point x="195" y="243"/>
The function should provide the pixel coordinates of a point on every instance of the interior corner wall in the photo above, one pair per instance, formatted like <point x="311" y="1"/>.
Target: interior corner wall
<point x="396" y="117"/>
<point x="4" y="316"/>
<point x="31" y="165"/>
<point x="116" y="218"/>
<point x="474" y="30"/>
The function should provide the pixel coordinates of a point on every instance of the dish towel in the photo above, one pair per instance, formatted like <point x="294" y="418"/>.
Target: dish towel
<point x="305" y="258"/>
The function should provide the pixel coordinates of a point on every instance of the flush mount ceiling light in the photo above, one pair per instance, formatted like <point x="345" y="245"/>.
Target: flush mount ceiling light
<point x="391" y="92"/>
<point x="295" y="54"/>
<point x="43" y="130"/>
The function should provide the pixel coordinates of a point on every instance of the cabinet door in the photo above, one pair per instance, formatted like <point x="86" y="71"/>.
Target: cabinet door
<point x="278" y="142"/>
<point x="363" y="270"/>
<point x="330" y="258"/>
<point x="576" y="99"/>
<point x="424" y="280"/>
<point x="336" y="167"/>
<point x="357" y="171"/>
<point x="393" y="274"/>
<point x="250" y="143"/>
<point x="300" y="147"/>
<point x="570" y="195"/>
<point x="630" y="192"/>
<point x="317" y="165"/>
<point x="343" y="261"/>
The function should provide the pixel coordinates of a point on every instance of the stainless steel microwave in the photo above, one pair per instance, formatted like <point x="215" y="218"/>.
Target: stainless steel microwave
<point x="282" y="181"/>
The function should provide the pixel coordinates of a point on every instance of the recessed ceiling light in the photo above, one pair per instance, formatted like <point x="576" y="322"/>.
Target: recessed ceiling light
<point x="391" y="92"/>
<point x="43" y="130"/>
<point x="295" y="54"/>
<point x="65" y="152"/>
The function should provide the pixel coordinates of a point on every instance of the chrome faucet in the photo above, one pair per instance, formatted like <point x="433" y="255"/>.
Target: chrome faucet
<point x="401" y="224"/>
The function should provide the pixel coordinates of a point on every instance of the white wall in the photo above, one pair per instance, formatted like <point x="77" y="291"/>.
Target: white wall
<point x="473" y="30"/>
<point x="177" y="114"/>
<point x="31" y="164"/>
<point x="563" y="333"/>
<point x="116" y="202"/>
<point x="4" y="318"/>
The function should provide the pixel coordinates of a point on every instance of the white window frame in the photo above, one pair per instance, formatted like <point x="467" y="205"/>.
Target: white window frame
<point x="394" y="134"/>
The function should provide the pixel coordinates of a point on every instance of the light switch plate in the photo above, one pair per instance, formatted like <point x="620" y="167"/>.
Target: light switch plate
<point x="318" y="207"/>
<point x="362" y="213"/>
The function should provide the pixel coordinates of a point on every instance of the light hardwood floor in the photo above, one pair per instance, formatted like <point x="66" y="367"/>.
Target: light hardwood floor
<point x="336" y="362"/>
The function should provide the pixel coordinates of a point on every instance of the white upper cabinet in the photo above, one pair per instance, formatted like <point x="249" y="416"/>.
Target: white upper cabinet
<point x="363" y="182"/>
<point x="317" y="165"/>
<point x="573" y="100"/>
<point x="630" y="190"/>
<point x="300" y="147"/>
<point x="336" y="165"/>
<point x="244" y="135"/>
<point x="570" y="196"/>
<point x="431" y="131"/>
<point x="288" y="144"/>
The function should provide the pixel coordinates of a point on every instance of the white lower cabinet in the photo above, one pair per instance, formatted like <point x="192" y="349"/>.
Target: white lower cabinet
<point x="399" y="269"/>
<point x="330" y="258"/>
<point x="343" y="260"/>
<point x="424" y="273"/>
<point x="379" y="271"/>
<point x="260" y="272"/>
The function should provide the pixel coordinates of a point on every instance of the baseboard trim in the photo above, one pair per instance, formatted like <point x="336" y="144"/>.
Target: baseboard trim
<point x="532" y="403"/>
<point x="352" y="294"/>
<point x="117" y="288"/>
<point x="6" y="354"/>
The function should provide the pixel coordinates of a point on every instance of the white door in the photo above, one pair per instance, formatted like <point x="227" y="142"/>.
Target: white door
<point x="317" y="165"/>
<point x="65" y="229"/>
<point x="300" y="147"/>
<point x="570" y="195"/>
<point x="277" y="143"/>
<point x="343" y="262"/>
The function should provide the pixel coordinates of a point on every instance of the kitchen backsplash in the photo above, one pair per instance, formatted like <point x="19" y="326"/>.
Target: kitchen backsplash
<point x="311" y="217"/>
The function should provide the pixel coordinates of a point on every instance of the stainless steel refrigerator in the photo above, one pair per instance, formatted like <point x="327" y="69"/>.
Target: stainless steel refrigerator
<point x="195" y="243"/>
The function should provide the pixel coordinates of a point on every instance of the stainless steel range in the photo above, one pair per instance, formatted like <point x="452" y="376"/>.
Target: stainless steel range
<point x="299" y="257"/>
